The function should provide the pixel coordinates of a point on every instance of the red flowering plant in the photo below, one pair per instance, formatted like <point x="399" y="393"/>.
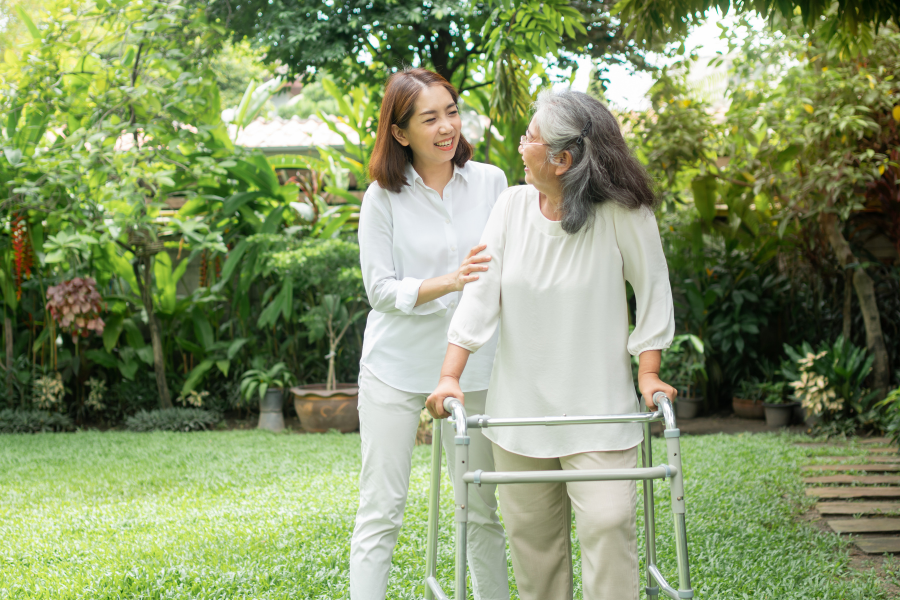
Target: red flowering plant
<point x="21" y="251"/>
<point x="75" y="305"/>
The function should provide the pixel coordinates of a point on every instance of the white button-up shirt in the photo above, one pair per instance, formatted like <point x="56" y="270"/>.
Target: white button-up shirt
<point x="409" y="237"/>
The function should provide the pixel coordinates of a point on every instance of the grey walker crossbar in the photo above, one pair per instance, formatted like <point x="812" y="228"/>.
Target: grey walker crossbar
<point x="465" y="476"/>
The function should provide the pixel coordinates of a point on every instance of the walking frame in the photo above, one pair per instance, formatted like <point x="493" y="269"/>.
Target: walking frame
<point x="465" y="477"/>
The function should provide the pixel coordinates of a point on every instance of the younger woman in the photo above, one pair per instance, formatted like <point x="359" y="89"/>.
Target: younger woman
<point x="419" y="228"/>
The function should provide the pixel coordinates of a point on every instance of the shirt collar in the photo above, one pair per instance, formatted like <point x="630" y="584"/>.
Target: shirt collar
<point x="412" y="176"/>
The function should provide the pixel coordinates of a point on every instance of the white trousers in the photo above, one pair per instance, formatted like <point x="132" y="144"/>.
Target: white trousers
<point x="388" y="419"/>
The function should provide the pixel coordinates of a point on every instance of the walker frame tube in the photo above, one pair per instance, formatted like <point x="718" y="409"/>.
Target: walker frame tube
<point x="464" y="477"/>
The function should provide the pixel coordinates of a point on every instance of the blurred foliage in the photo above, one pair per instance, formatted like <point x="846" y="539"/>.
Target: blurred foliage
<point x="235" y="65"/>
<point x="311" y="100"/>
<point x="769" y="191"/>
<point x="850" y="25"/>
<point x="116" y="165"/>
<point x="173" y="419"/>
<point x="829" y="381"/>
<point x="33" y="421"/>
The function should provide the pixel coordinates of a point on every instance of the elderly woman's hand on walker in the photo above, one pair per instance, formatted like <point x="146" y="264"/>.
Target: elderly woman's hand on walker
<point x="649" y="381"/>
<point x="448" y="386"/>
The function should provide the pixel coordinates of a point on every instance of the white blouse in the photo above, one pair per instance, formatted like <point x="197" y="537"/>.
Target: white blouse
<point x="564" y="343"/>
<point x="409" y="237"/>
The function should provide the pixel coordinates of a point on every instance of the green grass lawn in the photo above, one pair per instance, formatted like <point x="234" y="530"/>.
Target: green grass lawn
<point x="255" y="515"/>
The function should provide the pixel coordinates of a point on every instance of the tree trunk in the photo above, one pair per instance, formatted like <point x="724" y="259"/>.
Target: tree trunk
<point x="159" y="360"/>
<point x="847" y="329"/>
<point x="8" y="335"/>
<point x="331" y="378"/>
<point x="865" y="293"/>
<point x="440" y="58"/>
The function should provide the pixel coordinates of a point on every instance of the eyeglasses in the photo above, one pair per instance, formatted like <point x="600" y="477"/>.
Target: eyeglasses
<point x="523" y="141"/>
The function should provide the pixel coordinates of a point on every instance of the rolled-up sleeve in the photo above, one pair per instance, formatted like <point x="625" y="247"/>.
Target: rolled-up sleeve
<point x="478" y="314"/>
<point x="386" y="292"/>
<point x="637" y="236"/>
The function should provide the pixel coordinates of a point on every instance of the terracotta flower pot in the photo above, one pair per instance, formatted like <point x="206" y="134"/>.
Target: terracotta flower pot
<point x="320" y="410"/>
<point x="688" y="408"/>
<point x="748" y="409"/>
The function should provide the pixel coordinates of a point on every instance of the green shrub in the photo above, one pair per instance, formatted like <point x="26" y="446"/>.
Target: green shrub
<point x="33" y="421"/>
<point x="829" y="381"/>
<point x="173" y="419"/>
<point x="891" y="411"/>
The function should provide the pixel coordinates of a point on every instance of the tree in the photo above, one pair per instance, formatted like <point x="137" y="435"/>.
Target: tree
<point x="133" y="116"/>
<point x="845" y="19"/>
<point x="361" y="42"/>
<point x="810" y="149"/>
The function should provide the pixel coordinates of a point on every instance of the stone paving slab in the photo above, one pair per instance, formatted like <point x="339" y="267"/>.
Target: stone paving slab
<point x="860" y="479"/>
<point x="879" y="545"/>
<point x="854" y="492"/>
<point x="858" y="467"/>
<point x="874" y="459"/>
<point x="864" y="525"/>
<point x="876" y="441"/>
<point x="857" y="508"/>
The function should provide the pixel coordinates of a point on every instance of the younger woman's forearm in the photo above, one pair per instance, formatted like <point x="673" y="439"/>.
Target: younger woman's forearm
<point x="454" y="361"/>
<point x="434" y="288"/>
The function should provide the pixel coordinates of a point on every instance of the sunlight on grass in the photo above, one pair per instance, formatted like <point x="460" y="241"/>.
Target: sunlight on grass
<point x="256" y="515"/>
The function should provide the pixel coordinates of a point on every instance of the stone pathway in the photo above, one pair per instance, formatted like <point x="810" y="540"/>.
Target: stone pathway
<point x="874" y="525"/>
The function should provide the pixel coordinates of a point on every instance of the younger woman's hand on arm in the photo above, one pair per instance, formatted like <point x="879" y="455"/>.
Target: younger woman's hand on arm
<point x="437" y="287"/>
<point x="448" y="387"/>
<point x="648" y="378"/>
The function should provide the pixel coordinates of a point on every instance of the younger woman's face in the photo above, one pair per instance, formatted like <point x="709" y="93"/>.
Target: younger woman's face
<point x="434" y="129"/>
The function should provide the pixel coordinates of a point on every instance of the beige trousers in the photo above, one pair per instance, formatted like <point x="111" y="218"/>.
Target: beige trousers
<point x="538" y="520"/>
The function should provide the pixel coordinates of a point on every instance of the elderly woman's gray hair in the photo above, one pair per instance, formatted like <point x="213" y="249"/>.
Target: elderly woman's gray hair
<point x="603" y="168"/>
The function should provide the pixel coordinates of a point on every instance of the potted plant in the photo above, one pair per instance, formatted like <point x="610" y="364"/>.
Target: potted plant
<point x="748" y="400"/>
<point x="269" y="385"/>
<point x="684" y="367"/>
<point x="778" y="407"/>
<point x="327" y="273"/>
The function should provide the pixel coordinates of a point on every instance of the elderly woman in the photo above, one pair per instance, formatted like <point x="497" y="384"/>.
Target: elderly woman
<point x="562" y="249"/>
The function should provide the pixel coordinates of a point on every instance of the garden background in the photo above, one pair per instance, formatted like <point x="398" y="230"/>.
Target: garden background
<point x="157" y="270"/>
<point x="146" y="258"/>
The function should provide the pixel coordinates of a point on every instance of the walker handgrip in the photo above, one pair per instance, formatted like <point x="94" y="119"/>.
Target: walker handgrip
<point x="665" y="406"/>
<point x="456" y="409"/>
<point x="449" y="403"/>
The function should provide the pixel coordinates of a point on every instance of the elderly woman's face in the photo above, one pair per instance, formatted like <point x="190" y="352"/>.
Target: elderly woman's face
<point x="539" y="172"/>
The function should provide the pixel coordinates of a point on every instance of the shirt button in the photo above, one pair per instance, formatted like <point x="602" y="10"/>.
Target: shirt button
<point x="453" y="305"/>
<point x="448" y="221"/>
<point x="453" y="248"/>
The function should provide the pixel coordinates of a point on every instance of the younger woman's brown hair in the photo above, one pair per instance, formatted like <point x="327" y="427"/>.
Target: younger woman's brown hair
<point x="389" y="158"/>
